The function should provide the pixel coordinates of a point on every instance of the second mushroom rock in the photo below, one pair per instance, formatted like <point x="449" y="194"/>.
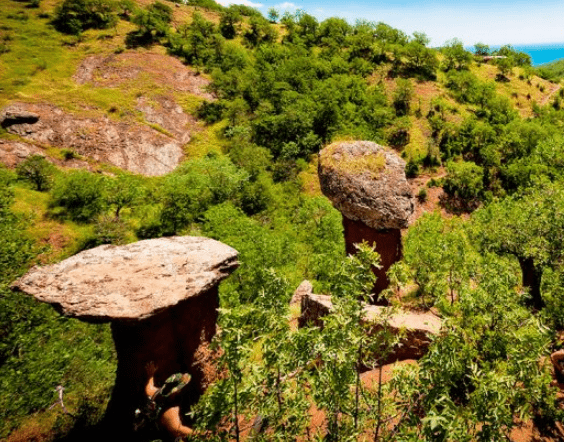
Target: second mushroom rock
<point x="366" y="183"/>
<point x="161" y="297"/>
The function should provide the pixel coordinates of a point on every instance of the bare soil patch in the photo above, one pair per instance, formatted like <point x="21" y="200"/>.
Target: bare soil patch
<point x="116" y="69"/>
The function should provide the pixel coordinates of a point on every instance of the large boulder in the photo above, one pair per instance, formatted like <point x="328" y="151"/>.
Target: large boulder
<point x="132" y="282"/>
<point x="161" y="297"/>
<point x="367" y="183"/>
<point x="416" y="330"/>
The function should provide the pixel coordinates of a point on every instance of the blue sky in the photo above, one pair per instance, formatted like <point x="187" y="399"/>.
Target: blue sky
<point x="493" y="22"/>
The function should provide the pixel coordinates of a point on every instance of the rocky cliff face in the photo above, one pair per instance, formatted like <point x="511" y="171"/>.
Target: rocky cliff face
<point x="149" y="143"/>
<point x="134" y="147"/>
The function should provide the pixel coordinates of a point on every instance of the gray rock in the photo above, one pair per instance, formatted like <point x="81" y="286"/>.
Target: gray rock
<point x="304" y="289"/>
<point x="415" y="329"/>
<point x="9" y="117"/>
<point x="131" y="282"/>
<point x="128" y="145"/>
<point x="367" y="183"/>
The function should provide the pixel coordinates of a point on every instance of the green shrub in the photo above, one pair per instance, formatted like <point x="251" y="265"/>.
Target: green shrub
<point x="75" y="16"/>
<point x="464" y="180"/>
<point x="79" y="196"/>
<point x="422" y="195"/>
<point x="38" y="171"/>
<point x="195" y="186"/>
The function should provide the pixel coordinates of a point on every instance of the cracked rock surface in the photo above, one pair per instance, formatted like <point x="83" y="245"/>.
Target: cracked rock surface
<point x="131" y="282"/>
<point x="380" y="199"/>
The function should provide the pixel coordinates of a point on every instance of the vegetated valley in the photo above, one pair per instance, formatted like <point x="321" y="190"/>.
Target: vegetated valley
<point x="129" y="120"/>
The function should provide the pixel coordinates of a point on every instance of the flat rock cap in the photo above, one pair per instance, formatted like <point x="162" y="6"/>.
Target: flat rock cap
<point x="366" y="182"/>
<point x="131" y="282"/>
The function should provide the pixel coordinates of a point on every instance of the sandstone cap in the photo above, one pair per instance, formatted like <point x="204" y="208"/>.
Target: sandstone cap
<point x="366" y="182"/>
<point x="131" y="282"/>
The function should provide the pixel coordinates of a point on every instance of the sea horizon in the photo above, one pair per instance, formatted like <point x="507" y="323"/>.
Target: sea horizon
<point x="540" y="53"/>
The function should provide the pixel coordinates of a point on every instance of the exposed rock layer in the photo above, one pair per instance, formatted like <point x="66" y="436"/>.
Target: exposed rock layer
<point x="416" y="329"/>
<point x="13" y="153"/>
<point x="131" y="146"/>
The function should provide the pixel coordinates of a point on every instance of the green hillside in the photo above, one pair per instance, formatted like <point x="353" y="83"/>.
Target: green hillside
<point x="553" y="71"/>
<point x="249" y="102"/>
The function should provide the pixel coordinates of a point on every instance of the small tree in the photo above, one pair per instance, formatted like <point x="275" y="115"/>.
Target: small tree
<point x="153" y="24"/>
<point x="79" y="195"/>
<point x="528" y="226"/>
<point x="37" y="170"/>
<point x="123" y="191"/>
<point x="273" y="15"/>
<point x="465" y="180"/>
<point x="228" y="22"/>
<point x="75" y="16"/>
<point x="456" y="57"/>
<point x="402" y="97"/>
<point x="481" y="49"/>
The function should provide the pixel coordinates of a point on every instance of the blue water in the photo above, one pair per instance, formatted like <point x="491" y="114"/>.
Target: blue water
<point x="543" y="53"/>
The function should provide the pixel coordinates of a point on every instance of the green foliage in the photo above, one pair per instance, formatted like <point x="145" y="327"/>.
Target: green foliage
<point x="75" y="16"/>
<point x="195" y="186"/>
<point x="481" y="49"/>
<point x="39" y="350"/>
<point x="440" y="257"/>
<point x="553" y="71"/>
<point x="228" y="22"/>
<point x="37" y="170"/>
<point x="455" y="56"/>
<point x="16" y="248"/>
<point x="402" y="97"/>
<point x="124" y="191"/>
<point x="483" y="371"/>
<point x="270" y="367"/>
<point x="153" y="24"/>
<point x="465" y="180"/>
<point x="79" y="195"/>
<point x="273" y="15"/>
<point x="198" y="43"/>
<point x="209" y="4"/>
<point x="528" y="227"/>
<point x="260" y="31"/>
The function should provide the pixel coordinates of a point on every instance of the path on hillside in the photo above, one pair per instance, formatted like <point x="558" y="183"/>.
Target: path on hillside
<point x="553" y="90"/>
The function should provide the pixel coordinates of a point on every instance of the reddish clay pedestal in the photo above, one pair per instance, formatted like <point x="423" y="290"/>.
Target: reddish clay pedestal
<point x="177" y="341"/>
<point x="388" y="246"/>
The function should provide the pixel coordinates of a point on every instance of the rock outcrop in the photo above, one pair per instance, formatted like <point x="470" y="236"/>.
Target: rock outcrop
<point x="130" y="146"/>
<point x="13" y="153"/>
<point x="367" y="184"/>
<point x="15" y="116"/>
<point x="161" y="298"/>
<point x="415" y="329"/>
<point x="304" y="289"/>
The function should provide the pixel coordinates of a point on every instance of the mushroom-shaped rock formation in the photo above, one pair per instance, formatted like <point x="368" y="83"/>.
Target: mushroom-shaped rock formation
<point x="367" y="184"/>
<point x="161" y="296"/>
